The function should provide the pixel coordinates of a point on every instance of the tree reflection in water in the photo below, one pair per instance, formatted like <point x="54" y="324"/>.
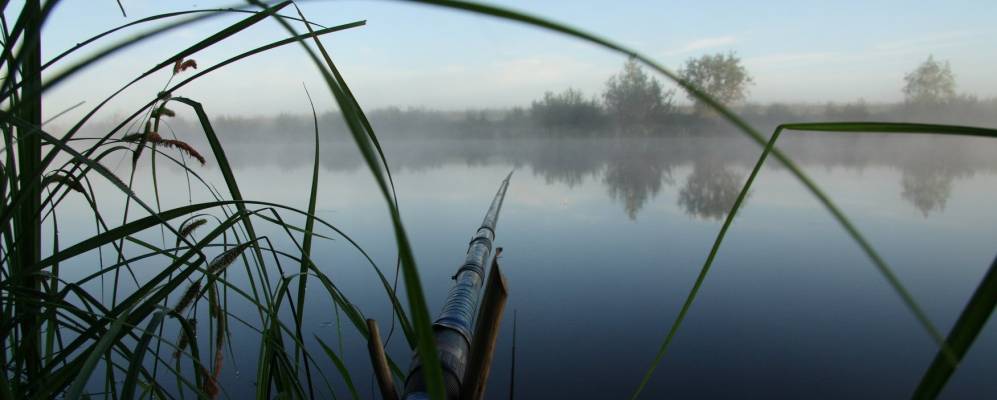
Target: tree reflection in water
<point x="710" y="190"/>
<point x="927" y="187"/>
<point x="634" y="170"/>
<point x="635" y="173"/>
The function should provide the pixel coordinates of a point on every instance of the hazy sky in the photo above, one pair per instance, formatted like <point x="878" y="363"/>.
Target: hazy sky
<point x="416" y="55"/>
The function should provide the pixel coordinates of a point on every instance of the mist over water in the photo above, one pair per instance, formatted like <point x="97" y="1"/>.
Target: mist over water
<point x="605" y="232"/>
<point x="634" y="170"/>
<point x="611" y="212"/>
<point x="626" y="161"/>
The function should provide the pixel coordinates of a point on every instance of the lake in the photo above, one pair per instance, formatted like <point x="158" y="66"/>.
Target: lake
<point x="603" y="239"/>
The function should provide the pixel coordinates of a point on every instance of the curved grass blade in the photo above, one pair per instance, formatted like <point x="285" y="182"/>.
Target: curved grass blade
<point x="203" y="44"/>
<point x="101" y="35"/>
<point x="884" y="269"/>
<point x="419" y="312"/>
<point x="967" y="328"/>
<point x="5" y="215"/>
<point x="687" y="304"/>
<point x="892" y="127"/>
<point x="221" y="35"/>
<point x="306" y="249"/>
<point x="700" y="95"/>
<point x="233" y="187"/>
<point x="345" y="373"/>
<point x="292" y="227"/>
<point x="139" y="305"/>
<point x="377" y="146"/>
<point x="306" y="246"/>
<point x="109" y="338"/>
<point x="128" y="389"/>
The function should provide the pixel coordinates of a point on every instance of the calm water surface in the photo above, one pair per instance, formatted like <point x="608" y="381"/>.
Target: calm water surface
<point x="604" y="238"/>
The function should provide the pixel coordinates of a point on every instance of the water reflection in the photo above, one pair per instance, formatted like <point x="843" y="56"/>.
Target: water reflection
<point x="560" y="161"/>
<point x="636" y="170"/>
<point x="634" y="174"/>
<point x="710" y="190"/>
<point x="928" y="186"/>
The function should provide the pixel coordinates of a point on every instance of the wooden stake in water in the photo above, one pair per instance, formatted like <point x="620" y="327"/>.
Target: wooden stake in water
<point x="485" y="334"/>
<point x="380" y="362"/>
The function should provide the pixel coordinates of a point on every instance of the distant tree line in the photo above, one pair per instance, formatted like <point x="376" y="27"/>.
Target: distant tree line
<point x="634" y="103"/>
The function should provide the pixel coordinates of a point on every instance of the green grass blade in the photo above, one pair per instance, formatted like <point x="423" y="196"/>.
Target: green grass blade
<point x="971" y="322"/>
<point x="51" y="81"/>
<point x="203" y="44"/>
<point x="5" y="214"/>
<point x="707" y="100"/>
<point x="233" y="186"/>
<point x="694" y="291"/>
<point x="139" y="305"/>
<point x="882" y="266"/>
<point x="109" y="338"/>
<point x="306" y="246"/>
<point x="131" y="379"/>
<point x="293" y="227"/>
<point x="419" y="312"/>
<point x="141" y="21"/>
<point x="51" y="156"/>
<point x="892" y="127"/>
<point x="345" y="373"/>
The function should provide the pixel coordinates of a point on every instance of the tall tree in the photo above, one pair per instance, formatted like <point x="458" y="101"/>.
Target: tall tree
<point x="931" y="83"/>
<point x="634" y="98"/>
<point x="719" y="75"/>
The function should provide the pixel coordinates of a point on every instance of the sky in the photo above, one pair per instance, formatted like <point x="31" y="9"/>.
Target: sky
<point x="410" y="55"/>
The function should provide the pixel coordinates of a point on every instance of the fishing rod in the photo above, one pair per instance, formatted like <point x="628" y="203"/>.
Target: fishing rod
<point x="465" y="354"/>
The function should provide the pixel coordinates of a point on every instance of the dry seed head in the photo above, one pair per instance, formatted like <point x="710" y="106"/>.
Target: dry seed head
<point x="154" y="137"/>
<point x="179" y="66"/>
<point x="188" y="297"/>
<point x="218" y="363"/>
<point x="225" y="259"/>
<point x="148" y="136"/>
<point x="163" y="112"/>
<point x="210" y="386"/>
<point x="188" y="64"/>
<point x="183" y="146"/>
<point x="184" y="340"/>
<point x="66" y="179"/>
<point x="191" y="226"/>
<point x="220" y="333"/>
